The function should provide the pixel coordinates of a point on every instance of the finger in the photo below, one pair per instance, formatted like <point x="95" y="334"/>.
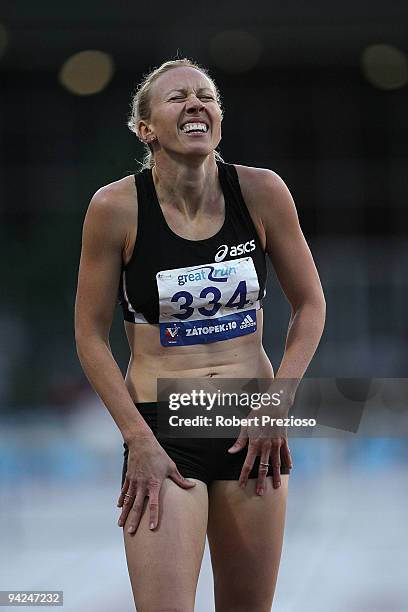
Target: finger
<point x="137" y="509"/>
<point x="128" y="499"/>
<point x="285" y="454"/>
<point x="122" y="493"/>
<point x="239" y="443"/>
<point x="263" y="469"/>
<point x="180" y="480"/>
<point x="247" y="467"/>
<point x="276" y="463"/>
<point x="154" y="493"/>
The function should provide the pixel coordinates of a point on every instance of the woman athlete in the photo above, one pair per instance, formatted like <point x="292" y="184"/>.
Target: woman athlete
<point x="185" y="242"/>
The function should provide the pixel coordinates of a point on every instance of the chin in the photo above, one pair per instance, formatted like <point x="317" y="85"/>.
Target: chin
<point x="197" y="152"/>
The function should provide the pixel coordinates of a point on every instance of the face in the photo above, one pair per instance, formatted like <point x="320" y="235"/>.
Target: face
<point x="185" y="117"/>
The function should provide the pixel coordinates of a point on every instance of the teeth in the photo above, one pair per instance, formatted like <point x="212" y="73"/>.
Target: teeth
<point x="190" y="127"/>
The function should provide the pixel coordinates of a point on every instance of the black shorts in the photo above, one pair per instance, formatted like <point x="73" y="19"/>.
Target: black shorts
<point x="206" y="459"/>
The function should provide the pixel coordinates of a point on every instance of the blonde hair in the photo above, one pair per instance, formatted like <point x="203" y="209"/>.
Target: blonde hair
<point x="140" y="107"/>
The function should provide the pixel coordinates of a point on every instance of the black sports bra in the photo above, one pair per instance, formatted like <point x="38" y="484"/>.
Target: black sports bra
<point x="198" y="291"/>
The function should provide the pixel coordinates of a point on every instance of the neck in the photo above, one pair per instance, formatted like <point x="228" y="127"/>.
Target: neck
<point x="190" y="188"/>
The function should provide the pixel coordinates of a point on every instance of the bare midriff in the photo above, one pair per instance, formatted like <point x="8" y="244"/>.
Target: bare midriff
<point x="242" y="357"/>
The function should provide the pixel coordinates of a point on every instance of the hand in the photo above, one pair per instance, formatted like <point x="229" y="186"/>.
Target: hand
<point x="148" y="466"/>
<point x="270" y="449"/>
<point x="268" y="441"/>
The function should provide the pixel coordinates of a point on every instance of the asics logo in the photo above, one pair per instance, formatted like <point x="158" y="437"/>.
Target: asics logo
<point x="239" y="249"/>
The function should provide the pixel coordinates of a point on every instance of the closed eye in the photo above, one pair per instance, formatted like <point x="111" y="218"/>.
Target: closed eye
<point x="202" y="97"/>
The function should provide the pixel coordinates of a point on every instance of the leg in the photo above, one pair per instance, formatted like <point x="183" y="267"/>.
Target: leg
<point x="164" y="564"/>
<point x="245" y="535"/>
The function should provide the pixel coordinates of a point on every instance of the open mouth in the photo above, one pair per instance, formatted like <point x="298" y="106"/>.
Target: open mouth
<point x="194" y="128"/>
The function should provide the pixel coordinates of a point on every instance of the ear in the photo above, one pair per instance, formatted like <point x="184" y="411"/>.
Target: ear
<point x="145" y="132"/>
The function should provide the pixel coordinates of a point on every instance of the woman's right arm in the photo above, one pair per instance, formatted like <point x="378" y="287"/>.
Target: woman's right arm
<point x="103" y="240"/>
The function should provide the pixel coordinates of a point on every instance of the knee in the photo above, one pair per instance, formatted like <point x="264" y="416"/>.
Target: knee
<point x="243" y="607"/>
<point x="160" y="609"/>
<point x="180" y="608"/>
<point x="243" y="604"/>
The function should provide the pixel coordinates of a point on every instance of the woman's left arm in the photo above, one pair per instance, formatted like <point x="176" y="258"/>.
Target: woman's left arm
<point x="274" y="214"/>
<point x="273" y="209"/>
<point x="297" y="275"/>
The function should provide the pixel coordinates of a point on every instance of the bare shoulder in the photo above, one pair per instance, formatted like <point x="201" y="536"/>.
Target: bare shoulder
<point x="257" y="177"/>
<point x="261" y="183"/>
<point x="266" y="193"/>
<point x="115" y="199"/>
<point x="111" y="218"/>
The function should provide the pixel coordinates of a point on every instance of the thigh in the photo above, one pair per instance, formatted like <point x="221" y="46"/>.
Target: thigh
<point x="164" y="564"/>
<point x="245" y="535"/>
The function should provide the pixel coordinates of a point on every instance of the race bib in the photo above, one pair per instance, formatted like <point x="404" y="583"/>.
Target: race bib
<point x="208" y="303"/>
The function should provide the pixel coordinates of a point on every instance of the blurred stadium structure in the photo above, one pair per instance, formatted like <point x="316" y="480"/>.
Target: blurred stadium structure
<point x="317" y="93"/>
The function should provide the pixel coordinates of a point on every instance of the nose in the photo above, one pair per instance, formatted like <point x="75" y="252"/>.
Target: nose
<point x="193" y="104"/>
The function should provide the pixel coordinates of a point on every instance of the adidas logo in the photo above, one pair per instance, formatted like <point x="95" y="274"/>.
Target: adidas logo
<point x="247" y="322"/>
